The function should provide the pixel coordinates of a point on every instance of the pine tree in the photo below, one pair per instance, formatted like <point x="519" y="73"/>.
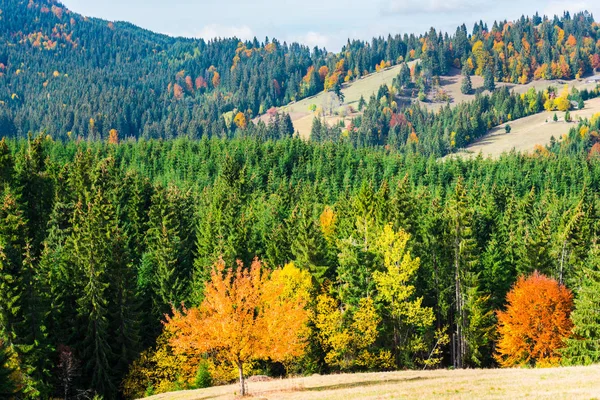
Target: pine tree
<point x="92" y="258"/>
<point x="8" y="387"/>
<point x="361" y="103"/>
<point x="466" y="87"/>
<point x="488" y="79"/>
<point x="460" y="214"/>
<point x="168" y="274"/>
<point x="584" y="347"/>
<point x="6" y="164"/>
<point x="308" y="245"/>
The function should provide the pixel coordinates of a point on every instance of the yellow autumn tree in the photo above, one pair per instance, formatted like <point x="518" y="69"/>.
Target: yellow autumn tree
<point x="240" y="120"/>
<point x="327" y="220"/>
<point x="247" y="314"/>
<point x="158" y="370"/>
<point x="396" y="290"/>
<point x="562" y="103"/>
<point x="348" y="335"/>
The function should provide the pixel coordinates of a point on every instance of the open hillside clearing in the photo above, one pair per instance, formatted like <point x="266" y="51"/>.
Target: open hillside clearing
<point x="527" y="132"/>
<point x="549" y="383"/>
<point x="451" y="83"/>
<point x="302" y="117"/>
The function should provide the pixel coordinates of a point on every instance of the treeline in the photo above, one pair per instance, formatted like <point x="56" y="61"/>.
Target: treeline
<point x="98" y="241"/>
<point x="83" y="77"/>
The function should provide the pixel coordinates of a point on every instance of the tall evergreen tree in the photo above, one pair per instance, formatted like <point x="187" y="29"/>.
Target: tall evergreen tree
<point x="488" y="79"/>
<point x="466" y="86"/>
<point x="463" y="244"/>
<point x="583" y="348"/>
<point x="92" y="259"/>
<point x="8" y="387"/>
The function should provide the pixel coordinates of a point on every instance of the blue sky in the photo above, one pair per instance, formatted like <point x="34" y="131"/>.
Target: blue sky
<point x="315" y="22"/>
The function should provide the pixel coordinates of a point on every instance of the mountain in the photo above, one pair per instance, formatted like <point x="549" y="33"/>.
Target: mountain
<point x="73" y="76"/>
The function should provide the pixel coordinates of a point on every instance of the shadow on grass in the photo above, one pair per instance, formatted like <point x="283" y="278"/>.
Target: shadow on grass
<point x="351" y="385"/>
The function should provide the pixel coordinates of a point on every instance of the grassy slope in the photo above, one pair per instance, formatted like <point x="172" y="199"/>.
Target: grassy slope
<point x="527" y="132"/>
<point x="366" y="86"/>
<point x="551" y="383"/>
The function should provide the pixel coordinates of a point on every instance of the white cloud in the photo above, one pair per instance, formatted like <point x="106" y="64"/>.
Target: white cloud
<point x="212" y="31"/>
<point x="430" y="6"/>
<point x="312" y="39"/>
<point x="559" y="7"/>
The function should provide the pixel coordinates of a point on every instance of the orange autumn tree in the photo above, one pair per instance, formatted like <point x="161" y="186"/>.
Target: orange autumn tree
<point x="535" y="324"/>
<point x="247" y="314"/>
<point x="113" y="136"/>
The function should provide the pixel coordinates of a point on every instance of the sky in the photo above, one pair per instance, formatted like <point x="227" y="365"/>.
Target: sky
<point x="323" y="23"/>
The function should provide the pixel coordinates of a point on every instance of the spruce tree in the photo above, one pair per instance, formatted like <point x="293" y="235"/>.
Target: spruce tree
<point x="8" y="387"/>
<point x="91" y="258"/>
<point x="461" y="235"/>
<point x="361" y="103"/>
<point x="488" y="79"/>
<point x="308" y="246"/>
<point x="168" y="274"/>
<point x="6" y="164"/>
<point x="583" y="348"/>
<point x="466" y="87"/>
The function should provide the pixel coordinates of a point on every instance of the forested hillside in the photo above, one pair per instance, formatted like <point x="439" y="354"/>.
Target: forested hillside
<point x="73" y="76"/>
<point x="98" y="241"/>
<point x="130" y="169"/>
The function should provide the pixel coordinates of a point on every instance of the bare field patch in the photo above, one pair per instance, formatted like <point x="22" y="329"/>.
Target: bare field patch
<point x="550" y="383"/>
<point x="527" y="132"/>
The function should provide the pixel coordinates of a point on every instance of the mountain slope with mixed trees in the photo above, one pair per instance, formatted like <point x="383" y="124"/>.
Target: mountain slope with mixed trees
<point x="410" y="262"/>
<point x="73" y="76"/>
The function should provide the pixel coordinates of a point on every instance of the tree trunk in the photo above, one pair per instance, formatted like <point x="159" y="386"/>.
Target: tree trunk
<point x="242" y="382"/>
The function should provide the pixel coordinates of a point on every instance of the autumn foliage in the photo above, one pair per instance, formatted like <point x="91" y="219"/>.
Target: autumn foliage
<point x="247" y="314"/>
<point x="240" y="120"/>
<point x="535" y="324"/>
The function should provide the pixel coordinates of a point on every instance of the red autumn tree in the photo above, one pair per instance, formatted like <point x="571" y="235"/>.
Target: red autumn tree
<point x="246" y="315"/>
<point x="323" y="72"/>
<point x="595" y="61"/>
<point x="201" y="83"/>
<point x="536" y="322"/>
<point x="189" y="84"/>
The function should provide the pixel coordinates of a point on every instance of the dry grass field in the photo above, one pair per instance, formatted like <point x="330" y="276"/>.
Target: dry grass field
<point x="552" y="383"/>
<point x="527" y="132"/>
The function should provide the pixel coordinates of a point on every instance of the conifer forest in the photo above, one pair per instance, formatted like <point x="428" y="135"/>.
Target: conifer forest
<point x="155" y="235"/>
